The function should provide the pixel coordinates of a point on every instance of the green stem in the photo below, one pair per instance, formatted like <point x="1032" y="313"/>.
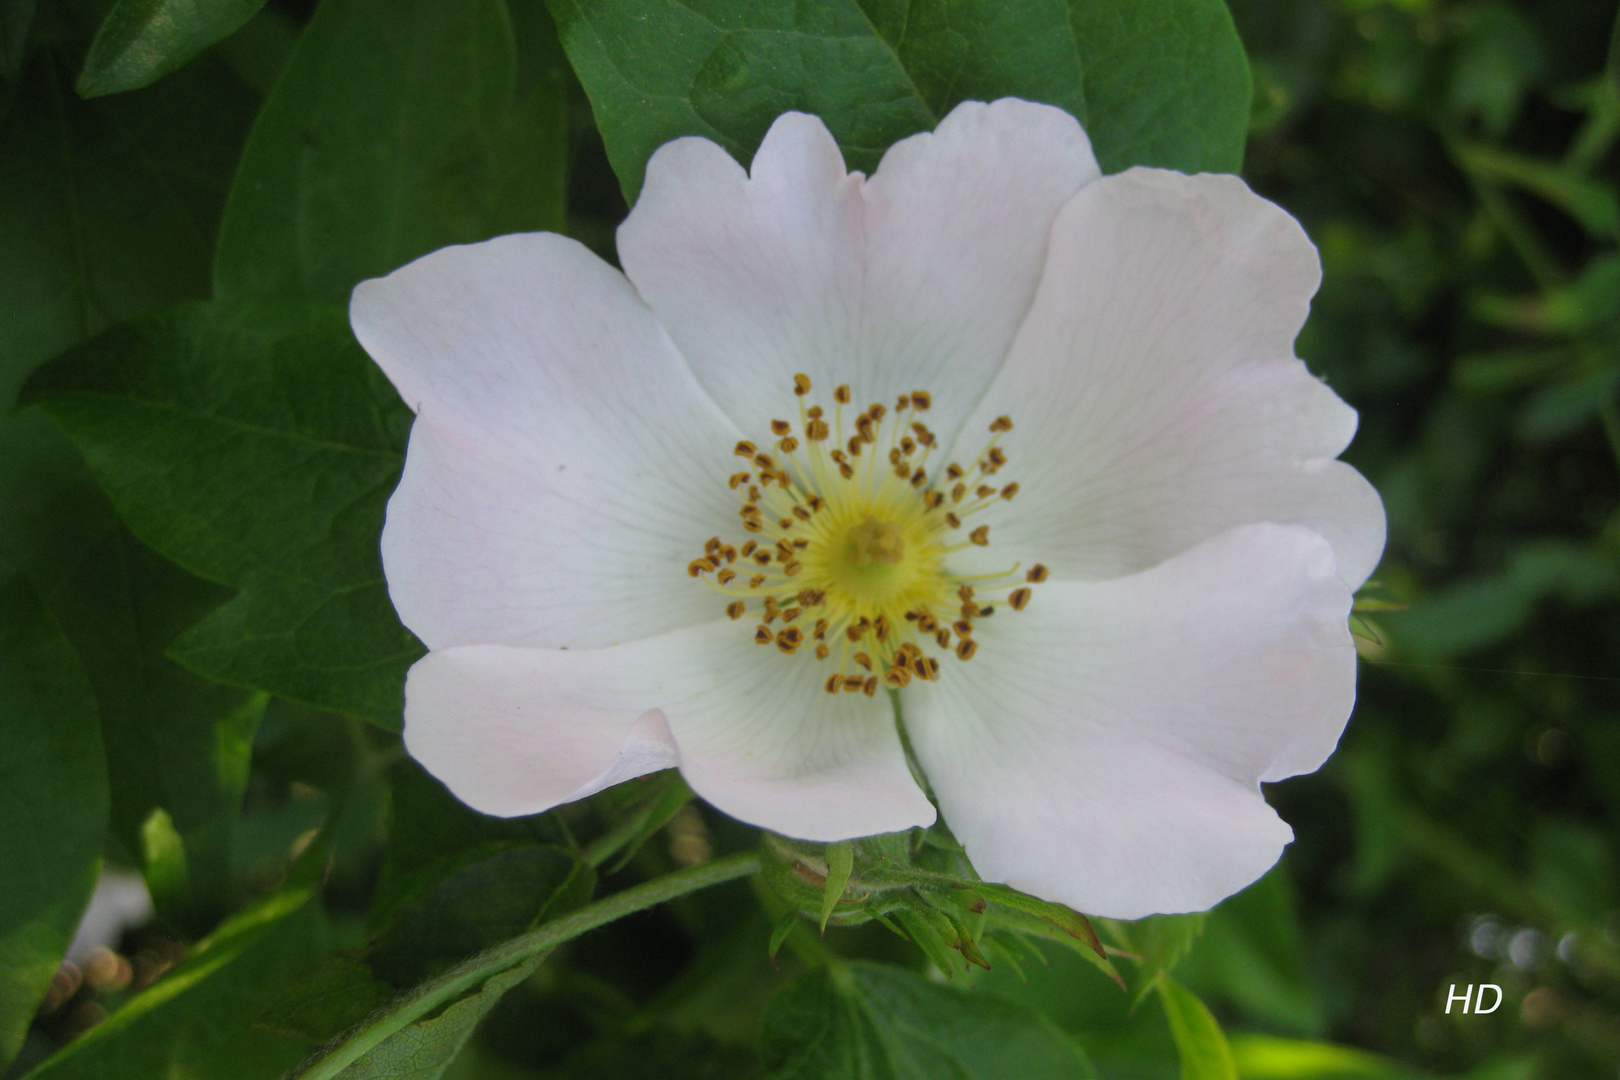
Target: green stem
<point x="472" y="973"/>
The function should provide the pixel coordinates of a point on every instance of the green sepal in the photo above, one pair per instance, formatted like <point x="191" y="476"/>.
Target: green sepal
<point x="840" y="862"/>
<point x="1064" y="918"/>
<point x="784" y="927"/>
<point x="922" y="931"/>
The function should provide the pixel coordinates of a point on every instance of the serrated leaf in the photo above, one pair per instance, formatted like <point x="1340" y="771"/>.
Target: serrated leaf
<point x="1200" y="1043"/>
<point x="107" y="208"/>
<point x="178" y="414"/>
<point x="55" y="806"/>
<point x="476" y="907"/>
<point x="431" y="834"/>
<point x="140" y="41"/>
<point x="1170" y="78"/>
<point x="1166" y="81"/>
<point x="172" y="740"/>
<point x="864" y="1021"/>
<point x="393" y="131"/>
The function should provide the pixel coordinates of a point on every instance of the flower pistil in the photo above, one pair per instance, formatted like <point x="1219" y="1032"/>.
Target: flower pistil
<point x="850" y="541"/>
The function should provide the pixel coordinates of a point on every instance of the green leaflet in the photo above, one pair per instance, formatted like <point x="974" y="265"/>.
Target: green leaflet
<point x="140" y="41"/>
<point x="864" y="1021"/>
<point x="1156" y="83"/>
<point x="107" y="208"/>
<point x="394" y="130"/>
<point x="55" y="804"/>
<point x="1199" y="1039"/>
<point x="178" y="413"/>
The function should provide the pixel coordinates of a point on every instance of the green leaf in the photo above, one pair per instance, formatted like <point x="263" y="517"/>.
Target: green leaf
<point x="1167" y="83"/>
<point x="393" y="131"/>
<point x="1158" y="941"/>
<point x="163" y="857"/>
<point x="1171" y="82"/>
<point x="180" y="413"/>
<point x="477" y="907"/>
<point x="1199" y="1039"/>
<point x="107" y="208"/>
<point x="1251" y="955"/>
<point x="400" y="1019"/>
<point x="172" y="740"/>
<point x="16" y="17"/>
<point x="140" y="41"/>
<point x="425" y="1049"/>
<point x="327" y="1000"/>
<point x="864" y="1021"/>
<point x="197" y="1019"/>
<point x="431" y="834"/>
<point x="54" y="810"/>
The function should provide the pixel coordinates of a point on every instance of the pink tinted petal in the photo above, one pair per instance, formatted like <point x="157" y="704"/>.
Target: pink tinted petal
<point x="513" y="731"/>
<point x="915" y="279"/>
<point x="1104" y="747"/>
<point x="489" y="721"/>
<point x="564" y="467"/>
<point x="1155" y="393"/>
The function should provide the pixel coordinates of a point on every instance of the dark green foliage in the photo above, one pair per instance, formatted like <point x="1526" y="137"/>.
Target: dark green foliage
<point x="55" y="805"/>
<point x="395" y="130"/>
<point x="140" y="41"/>
<point x="1158" y="84"/>
<point x="869" y="1022"/>
<point x="175" y="412"/>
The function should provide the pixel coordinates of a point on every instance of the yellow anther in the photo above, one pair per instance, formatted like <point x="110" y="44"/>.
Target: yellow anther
<point x="801" y="384"/>
<point x="1037" y="573"/>
<point x="980" y="536"/>
<point x="1001" y="423"/>
<point x="781" y="427"/>
<point x="1018" y="598"/>
<point x="736" y="608"/>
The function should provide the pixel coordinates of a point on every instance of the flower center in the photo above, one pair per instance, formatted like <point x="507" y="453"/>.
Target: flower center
<point x="851" y="541"/>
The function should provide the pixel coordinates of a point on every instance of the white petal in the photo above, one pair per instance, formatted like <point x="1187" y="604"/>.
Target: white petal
<point x="1155" y="393"/>
<point x="514" y="731"/>
<point x="916" y="279"/>
<point x="564" y="466"/>
<point x="492" y="723"/>
<point x="1104" y="747"/>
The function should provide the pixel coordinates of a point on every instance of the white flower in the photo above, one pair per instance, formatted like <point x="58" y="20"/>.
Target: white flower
<point x="1170" y="585"/>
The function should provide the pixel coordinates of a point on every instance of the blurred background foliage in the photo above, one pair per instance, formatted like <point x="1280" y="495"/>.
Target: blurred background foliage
<point x="1454" y="160"/>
